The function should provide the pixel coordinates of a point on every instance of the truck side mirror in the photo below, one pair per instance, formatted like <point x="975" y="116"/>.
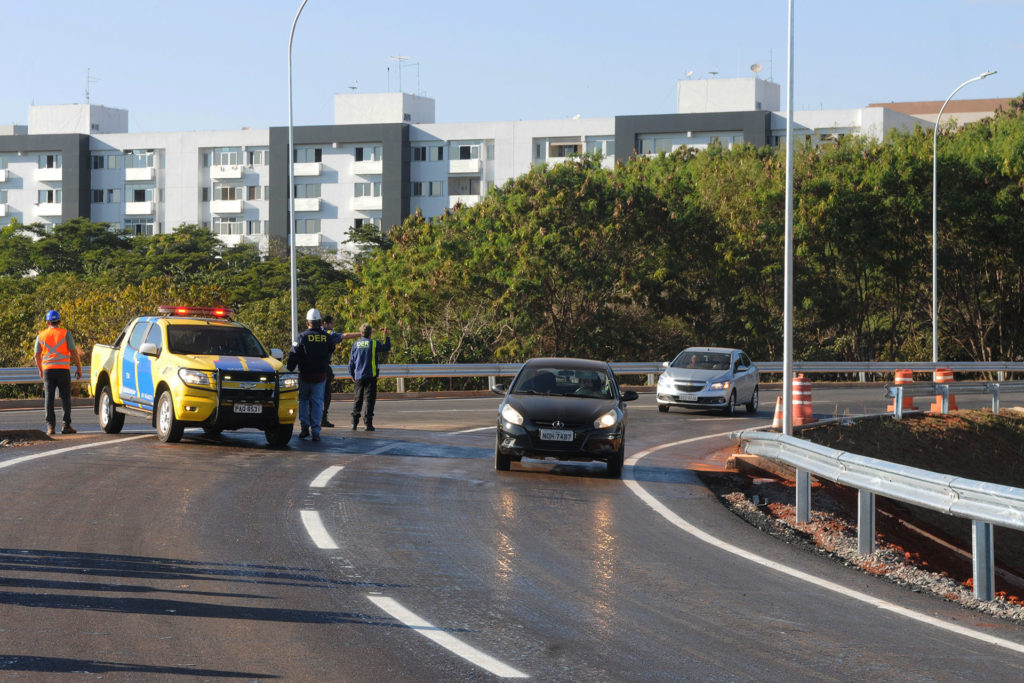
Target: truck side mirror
<point x="149" y="349"/>
<point x="277" y="354"/>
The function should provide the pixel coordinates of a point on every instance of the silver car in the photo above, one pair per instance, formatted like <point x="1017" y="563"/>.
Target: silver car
<point x="709" y="377"/>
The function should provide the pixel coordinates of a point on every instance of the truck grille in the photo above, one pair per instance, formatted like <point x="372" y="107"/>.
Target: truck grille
<point x="247" y="386"/>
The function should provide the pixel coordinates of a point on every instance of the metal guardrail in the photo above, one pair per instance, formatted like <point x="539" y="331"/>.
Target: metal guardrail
<point x="944" y="390"/>
<point x="985" y="504"/>
<point x="649" y="368"/>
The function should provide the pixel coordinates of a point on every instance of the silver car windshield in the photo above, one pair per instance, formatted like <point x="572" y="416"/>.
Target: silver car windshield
<point x="555" y="381"/>
<point x="701" y="360"/>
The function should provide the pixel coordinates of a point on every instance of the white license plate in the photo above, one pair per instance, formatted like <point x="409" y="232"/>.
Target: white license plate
<point x="254" y="408"/>
<point x="556" y="435"/>
<point x="688" y="397"/>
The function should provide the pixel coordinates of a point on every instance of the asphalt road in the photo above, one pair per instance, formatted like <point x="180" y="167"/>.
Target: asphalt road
<point x="402" y="555"/>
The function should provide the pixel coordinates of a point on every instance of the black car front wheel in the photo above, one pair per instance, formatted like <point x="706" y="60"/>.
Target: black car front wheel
<point x="615" y="462"/>
<point x="502" y="462"/>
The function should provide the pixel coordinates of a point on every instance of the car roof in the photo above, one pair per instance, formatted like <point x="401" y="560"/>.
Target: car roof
<point x="582" y="363"/>
<point x="709" y="349"/>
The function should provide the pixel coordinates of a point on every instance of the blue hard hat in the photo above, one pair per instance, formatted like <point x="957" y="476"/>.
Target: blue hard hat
<point x="52" y="316"/>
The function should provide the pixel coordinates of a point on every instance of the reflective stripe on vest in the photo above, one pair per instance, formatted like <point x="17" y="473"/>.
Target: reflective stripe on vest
<point x="373" y="357"/>
<point x="53" y="342"/>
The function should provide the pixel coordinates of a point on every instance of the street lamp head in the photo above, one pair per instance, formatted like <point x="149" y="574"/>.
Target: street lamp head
<point x="986" y="74"/>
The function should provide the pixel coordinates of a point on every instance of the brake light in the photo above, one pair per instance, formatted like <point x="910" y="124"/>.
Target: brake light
<point x="199" y="311"/>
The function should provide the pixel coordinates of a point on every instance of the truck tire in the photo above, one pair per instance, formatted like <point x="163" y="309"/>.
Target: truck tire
<point x="279" y="436"/>
<point x="111" y="421"/>
<point x="168" y="428"/>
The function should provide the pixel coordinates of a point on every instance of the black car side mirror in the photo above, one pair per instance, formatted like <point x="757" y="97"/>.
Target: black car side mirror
<point x="499" y="389"/>
<point x="630" y="395"/>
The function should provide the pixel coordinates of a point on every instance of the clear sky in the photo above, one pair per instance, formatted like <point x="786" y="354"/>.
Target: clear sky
<point x="181" y="65"/>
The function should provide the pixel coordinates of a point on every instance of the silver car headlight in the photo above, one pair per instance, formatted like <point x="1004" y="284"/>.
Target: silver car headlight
<point x="195" y="378"/>
<point x="510" y="414"/>
<point x="609" y="419"/>
<point x="664" y="380"/>
<point x="721" y="386"/>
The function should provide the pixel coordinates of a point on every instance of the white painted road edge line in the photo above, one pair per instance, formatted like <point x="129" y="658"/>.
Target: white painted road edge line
<point x="45" y="454"/>
<point x="682" y="524"/>
<point x="445" y="640"/>
<point x="325" y="476"/>
<point x="317" y="532"/>
<point x="475" y="429"/>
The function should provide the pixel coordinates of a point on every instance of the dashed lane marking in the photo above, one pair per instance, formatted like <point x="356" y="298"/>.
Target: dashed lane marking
<point x="316" y="530"/>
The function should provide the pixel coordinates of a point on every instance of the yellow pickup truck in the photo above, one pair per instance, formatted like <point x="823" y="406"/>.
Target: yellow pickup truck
<point x="193" y="367"/>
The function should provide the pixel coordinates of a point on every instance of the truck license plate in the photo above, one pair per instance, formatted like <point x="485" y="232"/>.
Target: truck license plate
<point x="254" y="408"/>
<point x="556" y="435"/>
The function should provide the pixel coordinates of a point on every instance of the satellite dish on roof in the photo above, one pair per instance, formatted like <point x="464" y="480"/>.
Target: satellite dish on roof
<point x="756" y="68"/>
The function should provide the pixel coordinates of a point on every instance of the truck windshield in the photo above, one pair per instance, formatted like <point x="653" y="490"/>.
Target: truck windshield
<point x="207" y="340"/>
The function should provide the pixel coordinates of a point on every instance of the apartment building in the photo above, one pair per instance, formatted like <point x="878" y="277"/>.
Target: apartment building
<point x="383" y="159"/>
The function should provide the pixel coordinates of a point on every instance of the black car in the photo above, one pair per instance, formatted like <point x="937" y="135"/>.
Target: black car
<point x="563" y="409"/>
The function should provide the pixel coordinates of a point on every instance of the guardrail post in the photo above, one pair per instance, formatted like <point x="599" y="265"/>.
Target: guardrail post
<point x="650" y="379"/>
<point x="944" y="391"/>
<point x="863" y="376"/>
<point x="865" y="522"/>
<point x="803" y="496"/>
<point x="898" y="406"/>
<point x="1001" y="375"/>
<point x="401" y="385"/>
<point x="995" y="398"/>
<point x="984" y="560"/>
<point x="491" y="381"/>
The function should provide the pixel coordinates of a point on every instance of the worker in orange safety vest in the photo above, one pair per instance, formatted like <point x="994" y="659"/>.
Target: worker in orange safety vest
<point x="55" y="350"/>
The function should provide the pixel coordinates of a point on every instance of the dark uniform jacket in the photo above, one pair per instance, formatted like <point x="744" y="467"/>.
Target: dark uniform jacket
<point x="363" y="363"/>
<point x="311" y="353"/>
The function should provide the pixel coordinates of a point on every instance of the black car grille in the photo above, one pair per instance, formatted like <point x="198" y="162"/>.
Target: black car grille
<point x="549" y="424"/>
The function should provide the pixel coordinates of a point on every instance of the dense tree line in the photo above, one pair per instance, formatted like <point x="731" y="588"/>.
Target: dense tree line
<point x="630" y="263"/>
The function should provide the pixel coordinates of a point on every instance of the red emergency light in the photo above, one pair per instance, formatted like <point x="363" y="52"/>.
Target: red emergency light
<point x="197" y="311"/>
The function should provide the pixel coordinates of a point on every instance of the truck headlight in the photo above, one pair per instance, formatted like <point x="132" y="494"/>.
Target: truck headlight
<point x="609" y="419"/>
<point x="288" y="381"/>
<point x="195" y="378"/>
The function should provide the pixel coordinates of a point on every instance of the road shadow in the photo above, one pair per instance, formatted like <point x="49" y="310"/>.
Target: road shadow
<point x="31" y="664"/>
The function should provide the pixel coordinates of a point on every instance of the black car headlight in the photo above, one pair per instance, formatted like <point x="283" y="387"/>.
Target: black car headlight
<point x="608" y="420"/>
<point x="511" y="415"/>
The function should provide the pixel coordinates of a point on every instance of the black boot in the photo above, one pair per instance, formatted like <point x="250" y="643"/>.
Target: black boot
<point x="369" y="426"/>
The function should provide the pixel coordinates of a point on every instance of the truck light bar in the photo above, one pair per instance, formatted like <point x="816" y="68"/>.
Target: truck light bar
<point x="199" y="311"/>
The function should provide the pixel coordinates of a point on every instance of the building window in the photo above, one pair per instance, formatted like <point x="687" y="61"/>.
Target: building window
<point x="253" y="227"/>
<point x="417" y="189"/>
<point x="227" y="156"/>
<point x="139" y="158"/>
<point x="255" y="192"/>
<point x="114" y="196"/>
<point x="418" y="154"/>
<point x="307" y="155"/>
<point x="98" y="161"/>
<point x="435" y="188"/>
<point x="307" y="226"/>
<point x="205" y="195"/>
<point x="257" y="157"/>
<point x="50" y="196"/>
<point x="655" y="145"/>
<point x="465" y="152"/>
<point x="51" y="161"/>
<point x="369" y="153"/>
<point x="97" y="196"/>
<point x="435" y="153"/>
<point x="227" y="192"/>
<point x="139" y="227"/>
<point x="464" y="186"/>
<point x="3" y="196"/>
<point x="134" y="193"/>
<point x="307" y="191"/>
<point x="560" y="150"/>
<point x="367" y="189"/>
<point x="360" y="222"/>
<point x="228" y="226"/>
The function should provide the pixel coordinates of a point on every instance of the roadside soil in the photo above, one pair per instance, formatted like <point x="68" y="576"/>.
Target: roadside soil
<point x="924" y="550"/>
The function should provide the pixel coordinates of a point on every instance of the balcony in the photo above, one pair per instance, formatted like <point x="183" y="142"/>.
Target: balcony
<point x="3" y="175"/>
<point x="228" y="206"/>
<point x="49" y="175"/>
<point x="368" y="167"/>
<point x="138" y="208"/>
<point x="464" y="199"/>
<point x="367" y="203"/>
<point x="226" y="172"/>
<point x="139" y="174"/>
<point x="307" y="204"/>
<point x="308" y="239"/>
<point x="465" y="166"/>
<point x="307" y="169"/>
<point x="48" y="210"/>
<point x="3" y="210"/>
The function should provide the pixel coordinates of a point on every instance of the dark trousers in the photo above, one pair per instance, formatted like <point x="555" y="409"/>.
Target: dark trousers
<point x="54" y="380"/>
<point x="364" y="389"/>
<point x="328" y="387"/>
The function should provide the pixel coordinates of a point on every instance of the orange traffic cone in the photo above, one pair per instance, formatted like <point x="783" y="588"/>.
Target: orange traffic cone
<point x="943" y="376"/>
<point x="904" y="377"/>
<point x="777" y="420"/>
<point x="803" y="411"/>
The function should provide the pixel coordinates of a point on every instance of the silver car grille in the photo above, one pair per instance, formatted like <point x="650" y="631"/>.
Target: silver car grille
<point x="689" y="387"/>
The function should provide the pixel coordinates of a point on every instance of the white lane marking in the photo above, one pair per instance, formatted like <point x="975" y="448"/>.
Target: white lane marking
<point x="445" y="640"/>
<point x="475" y="429"/>
<point x="682" y="524"/>
<point x="58" y="451"/>
<point x="325" y="476"/>
<point x="316" y="530"/>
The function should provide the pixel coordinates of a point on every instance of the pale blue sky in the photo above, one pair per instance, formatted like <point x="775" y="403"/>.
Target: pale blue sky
<point x="222" y="64"/>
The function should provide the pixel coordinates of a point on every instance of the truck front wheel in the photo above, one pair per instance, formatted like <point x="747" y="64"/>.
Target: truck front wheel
<point x="168" y="428"/>
<point x="279" y="436"/>
<point x="111" y="421"/>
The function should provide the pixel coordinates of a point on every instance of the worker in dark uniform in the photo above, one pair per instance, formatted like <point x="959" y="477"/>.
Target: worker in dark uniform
<point x="311" y="354"/>
<point x="336" y="337"/>
<point x="364" y="367"/>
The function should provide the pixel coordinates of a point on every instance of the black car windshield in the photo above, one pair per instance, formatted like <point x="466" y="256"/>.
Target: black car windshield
<point x="210" y="340"/>
<point x="556" y="381"/>
<point x="701" y="360"/>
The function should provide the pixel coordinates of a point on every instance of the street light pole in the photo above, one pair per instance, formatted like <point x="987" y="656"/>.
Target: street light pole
<point x="935" y="217"/>
<point x="291" y="182"/>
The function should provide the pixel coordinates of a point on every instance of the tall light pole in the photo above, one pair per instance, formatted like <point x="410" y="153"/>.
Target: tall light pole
<point x="935" y="217"/>
<point x="291" y="181"/>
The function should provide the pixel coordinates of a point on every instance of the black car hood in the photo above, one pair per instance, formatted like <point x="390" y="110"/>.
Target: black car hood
<point x="568" y="409"/>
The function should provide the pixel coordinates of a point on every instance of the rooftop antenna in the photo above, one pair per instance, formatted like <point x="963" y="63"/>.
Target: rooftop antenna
<point x="399" y="59"/>
<point x="88" y="81"/>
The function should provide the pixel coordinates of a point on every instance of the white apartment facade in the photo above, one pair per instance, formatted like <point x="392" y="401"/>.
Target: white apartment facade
<point x="382" y="160"/>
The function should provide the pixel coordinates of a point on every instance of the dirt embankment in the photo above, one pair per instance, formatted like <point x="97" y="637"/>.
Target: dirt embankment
<point x="925" y="550"/>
